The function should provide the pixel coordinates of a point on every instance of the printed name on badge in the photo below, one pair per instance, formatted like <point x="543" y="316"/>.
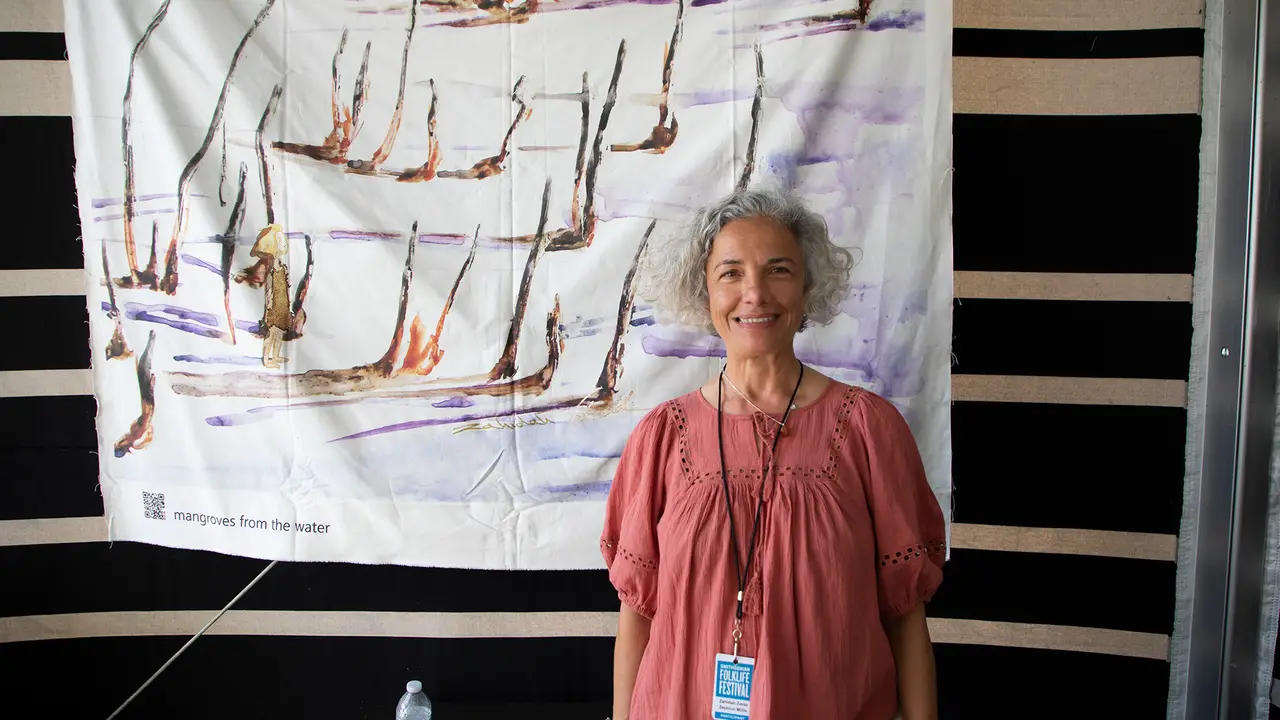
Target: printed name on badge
<point x="731" y="693"/>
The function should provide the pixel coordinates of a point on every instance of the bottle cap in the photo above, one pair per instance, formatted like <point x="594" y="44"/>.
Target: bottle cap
<point x="414" y="686"/>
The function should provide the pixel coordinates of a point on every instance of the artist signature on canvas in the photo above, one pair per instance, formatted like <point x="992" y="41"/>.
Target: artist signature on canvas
<point x="503" y="424"/>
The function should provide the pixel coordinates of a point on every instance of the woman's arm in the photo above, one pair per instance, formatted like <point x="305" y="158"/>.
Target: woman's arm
<point x="633" y="637"/>
<point x="913" y="655"/>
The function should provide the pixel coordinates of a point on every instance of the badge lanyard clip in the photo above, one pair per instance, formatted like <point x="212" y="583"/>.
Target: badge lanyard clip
<point x="737" y="636"/>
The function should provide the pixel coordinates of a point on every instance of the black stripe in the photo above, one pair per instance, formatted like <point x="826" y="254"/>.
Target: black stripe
<point x="49" y="422"/>
<point x="97" y="577"/>
<point x="1164" y="42"/>
<point x="1076" y="194"/>
<point x="980" y="682"/>
<point x="93" y="577"/>
<point x="49" y="483"/>
<point x="32" y="46"/>
<point x="1068" y="466"/>
<point x="562" y="678"/>
<point x="1072" y="338"/>
<point x="49" y="452"/>
<point x="45" y="333"/>
<point x="42" y="225"/>
<point x="315" y="677"/>
<point x="1074" y="590"/>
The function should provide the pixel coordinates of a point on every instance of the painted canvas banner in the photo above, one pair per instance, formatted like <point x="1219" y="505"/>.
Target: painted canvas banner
<point x="362" y="273"/>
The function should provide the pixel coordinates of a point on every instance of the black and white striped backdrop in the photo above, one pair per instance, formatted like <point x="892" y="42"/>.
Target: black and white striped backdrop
<point x="1076" y="145"/>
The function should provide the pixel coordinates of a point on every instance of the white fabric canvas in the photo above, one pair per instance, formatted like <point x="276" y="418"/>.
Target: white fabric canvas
<point x="362" y="271"/>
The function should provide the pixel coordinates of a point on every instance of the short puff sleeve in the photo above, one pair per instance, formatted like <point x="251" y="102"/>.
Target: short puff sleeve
<point x="629" y="541"/>
<point x="909" y="527"/>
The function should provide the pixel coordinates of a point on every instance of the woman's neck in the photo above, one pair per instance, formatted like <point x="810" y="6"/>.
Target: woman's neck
<point x="768" y="381"/>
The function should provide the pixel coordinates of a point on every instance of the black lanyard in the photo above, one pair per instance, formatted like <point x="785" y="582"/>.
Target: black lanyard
<point x="724" y="479"/>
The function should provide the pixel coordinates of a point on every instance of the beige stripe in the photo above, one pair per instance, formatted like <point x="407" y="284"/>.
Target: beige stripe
<point x="1097" y="543"/>
<point x="1072" y="286"/>
<point x="322" y="623"/>
<point x="1144" y="546"/>
<point x="1049" y="637"/>
<point x="1078" y="14"/>
<point x="42" y="383"/>
<point x="28" y="628"/>
<point x="1022" y="86"/>
<point x="1068" y="390"/>
<point x="52" y="531"/>
<point x="31" y="16"/>
<point x="35" y="87"/>
<point x="28" y="283"/>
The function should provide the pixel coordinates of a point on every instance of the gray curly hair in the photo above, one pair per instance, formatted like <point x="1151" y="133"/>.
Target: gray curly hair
<point x="675" y="271"/>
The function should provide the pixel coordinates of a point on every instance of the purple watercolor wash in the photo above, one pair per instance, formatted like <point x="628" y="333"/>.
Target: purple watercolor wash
<point x="583" y="327"/>
<point x="597" y="4"/>
<point x="617" y="207"/>
<point x="193" y="260"/>
<point x="180" y="318"/>
<point x="137" y="213"/>
<point x="265" y="412"/>
<point x="705" y="3"/>
<point x="109" y="202"/>
<point x="901" y="20"/>
<point x="712" y="97"/>
<point x="220" y="359"/>
<point x="435" y="422"/>
<point x="551" y="453"/>
<point x="687" y="346"/>
<point x="175" y="310"/>
<point x="642" y="321"/>
<point x="435" y="239"/>
<point x="249" y="416"/>
<point x="461" y="401"/>
<point x="182" y="325"/>
<point x="363" y="235"/>
<point x="582" y="491"/>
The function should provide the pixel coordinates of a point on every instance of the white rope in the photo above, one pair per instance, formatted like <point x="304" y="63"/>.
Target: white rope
<point x="193" y="638"/>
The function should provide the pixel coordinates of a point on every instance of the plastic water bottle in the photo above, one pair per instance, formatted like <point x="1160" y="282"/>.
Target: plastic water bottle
<point x="413" y="705"/>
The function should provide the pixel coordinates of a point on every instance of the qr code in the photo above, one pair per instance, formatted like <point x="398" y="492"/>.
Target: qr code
<point x="153" y="506"/>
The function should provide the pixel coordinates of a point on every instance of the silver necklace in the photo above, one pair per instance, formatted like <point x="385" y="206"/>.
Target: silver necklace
<point x="743" y="395"/>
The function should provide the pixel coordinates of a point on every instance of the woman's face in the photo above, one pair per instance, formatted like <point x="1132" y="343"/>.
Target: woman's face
<point x="755" y="283"/>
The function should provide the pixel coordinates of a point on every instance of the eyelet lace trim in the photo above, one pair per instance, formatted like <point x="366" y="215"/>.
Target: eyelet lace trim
<point x="841" y="433"/>
<point x="611" y="549"/>
<point x="682" y="427"/>
<point x="914" y="552"/>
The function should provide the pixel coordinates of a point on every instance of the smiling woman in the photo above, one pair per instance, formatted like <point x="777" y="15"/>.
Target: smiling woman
<point x="676" y="272"/>
<point x="790" y="574"/>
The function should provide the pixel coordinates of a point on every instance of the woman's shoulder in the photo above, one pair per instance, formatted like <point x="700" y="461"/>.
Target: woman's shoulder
<point x="863" y="404"/>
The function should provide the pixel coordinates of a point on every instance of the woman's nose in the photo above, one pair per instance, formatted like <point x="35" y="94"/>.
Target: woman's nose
<point x="755" y="289"/>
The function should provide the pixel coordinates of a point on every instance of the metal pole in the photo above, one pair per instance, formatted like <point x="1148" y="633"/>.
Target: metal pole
<point x="189" y="642"/>
<point x="1232" y="391"/>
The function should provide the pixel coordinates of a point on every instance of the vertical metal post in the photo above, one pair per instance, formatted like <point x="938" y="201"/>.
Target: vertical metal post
<point x="1256" y="421"/>
<point x="1238" y="276"/>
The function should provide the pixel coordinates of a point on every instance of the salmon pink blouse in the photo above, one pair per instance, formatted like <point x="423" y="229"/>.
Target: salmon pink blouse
<point x="850" y="536"/>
